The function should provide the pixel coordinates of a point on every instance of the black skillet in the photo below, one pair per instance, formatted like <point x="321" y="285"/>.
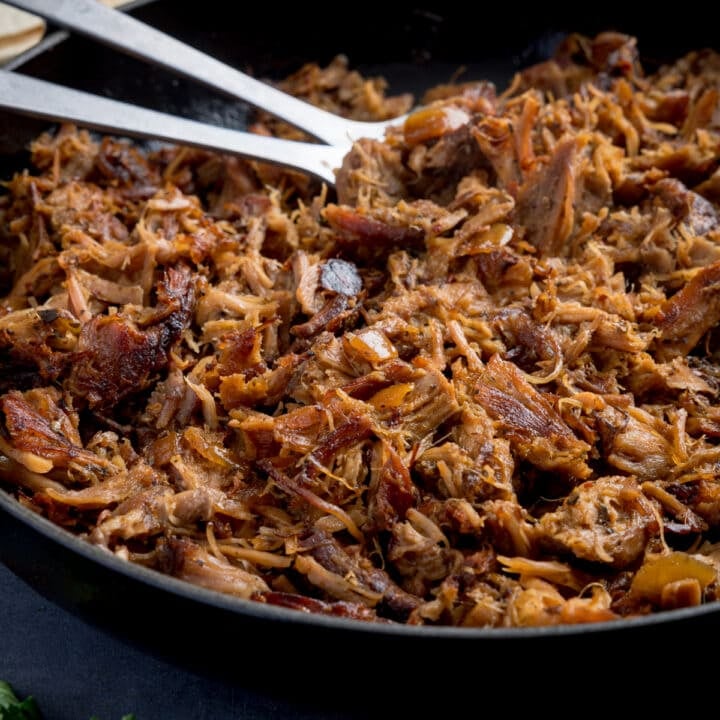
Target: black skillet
<point x="345" y="662"/>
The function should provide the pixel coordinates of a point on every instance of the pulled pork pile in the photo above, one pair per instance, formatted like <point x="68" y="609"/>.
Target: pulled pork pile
<point x="476" y="384"/>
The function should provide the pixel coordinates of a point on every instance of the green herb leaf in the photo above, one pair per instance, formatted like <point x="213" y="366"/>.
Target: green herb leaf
<point x="12" y="708"/>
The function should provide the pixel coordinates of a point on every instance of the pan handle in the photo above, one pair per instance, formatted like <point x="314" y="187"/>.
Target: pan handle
<point x="129" y="35"/>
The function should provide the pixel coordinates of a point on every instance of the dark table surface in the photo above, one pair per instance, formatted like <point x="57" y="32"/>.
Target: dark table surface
<point x="76" y="670"/>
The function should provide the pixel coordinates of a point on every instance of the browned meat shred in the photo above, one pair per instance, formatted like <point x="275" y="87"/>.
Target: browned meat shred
<point x="476" y="384"/>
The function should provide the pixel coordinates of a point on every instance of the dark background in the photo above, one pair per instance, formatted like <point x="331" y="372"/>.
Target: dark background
<point x="75" y="670"/>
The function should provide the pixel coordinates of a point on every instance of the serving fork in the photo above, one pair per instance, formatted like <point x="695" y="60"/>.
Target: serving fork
<point x="113" y="27"/>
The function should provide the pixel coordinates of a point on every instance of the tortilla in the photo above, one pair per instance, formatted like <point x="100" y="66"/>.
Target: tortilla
<point x="19" y="31"/>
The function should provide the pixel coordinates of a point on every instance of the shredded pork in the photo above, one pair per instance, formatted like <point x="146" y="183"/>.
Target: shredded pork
<point x="476" y="384"/>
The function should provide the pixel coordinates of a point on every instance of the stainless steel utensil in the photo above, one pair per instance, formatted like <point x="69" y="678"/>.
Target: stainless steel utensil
<point x="49" y="101"/>
<point x="129" y="35"/>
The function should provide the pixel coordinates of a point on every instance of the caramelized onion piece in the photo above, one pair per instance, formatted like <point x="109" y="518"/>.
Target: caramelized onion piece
<point x="433" y="122"/>
<point x="656" y="573"/>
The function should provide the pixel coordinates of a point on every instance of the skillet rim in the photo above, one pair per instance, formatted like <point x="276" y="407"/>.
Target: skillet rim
<point x="251" y="609"/>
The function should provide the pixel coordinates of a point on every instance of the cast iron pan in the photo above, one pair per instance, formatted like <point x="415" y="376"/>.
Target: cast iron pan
<point x="346" y="662"/>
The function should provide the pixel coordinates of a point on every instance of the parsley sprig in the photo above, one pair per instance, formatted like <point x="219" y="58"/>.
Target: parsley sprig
<point x="12" y="708"/>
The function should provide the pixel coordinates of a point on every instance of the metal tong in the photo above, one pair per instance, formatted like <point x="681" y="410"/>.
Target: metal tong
<point x="39" y="98"/>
